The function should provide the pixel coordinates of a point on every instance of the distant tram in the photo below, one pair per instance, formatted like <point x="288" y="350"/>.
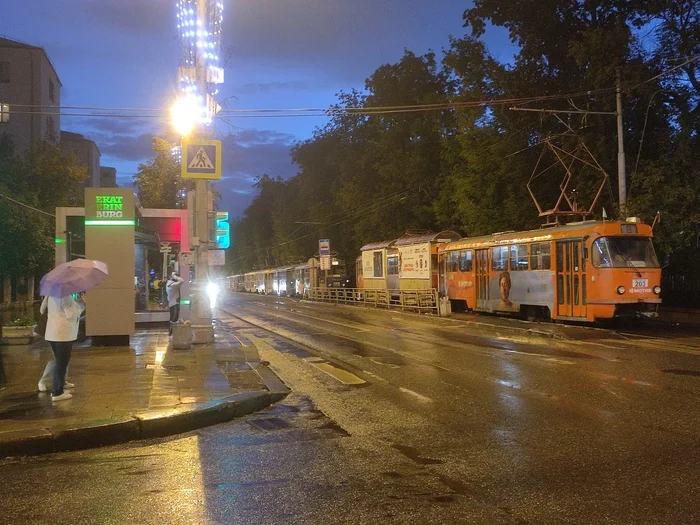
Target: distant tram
<point x="583" y="271"/>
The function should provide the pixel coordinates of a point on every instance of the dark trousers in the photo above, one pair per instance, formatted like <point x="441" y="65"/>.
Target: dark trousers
<point x="2" y="371"/>
<point x="174" y="316"/>
<point x="62" y="351"/>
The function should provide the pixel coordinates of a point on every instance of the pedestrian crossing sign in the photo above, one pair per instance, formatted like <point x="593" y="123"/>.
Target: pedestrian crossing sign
<point x="201" y="159"/>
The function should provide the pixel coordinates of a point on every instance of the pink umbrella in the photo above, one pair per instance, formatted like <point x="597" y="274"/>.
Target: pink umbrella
<point x="72" y="277"/>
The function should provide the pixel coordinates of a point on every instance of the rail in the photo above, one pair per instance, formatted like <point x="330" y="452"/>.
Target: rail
<point x="417" y="300"/>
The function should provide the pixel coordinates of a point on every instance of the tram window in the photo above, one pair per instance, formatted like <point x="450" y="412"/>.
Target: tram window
<point x="540" y="258"/>
<point x="433" y="261"/>
<point x="600" y="257"/>
<point x="465" y="261"/>
<point x="378" y="266"/>
<point x="500" y="258"/>
<point x="452" y="261"/>
<point x="518" y="257"/>
<point x="392" y="265"/>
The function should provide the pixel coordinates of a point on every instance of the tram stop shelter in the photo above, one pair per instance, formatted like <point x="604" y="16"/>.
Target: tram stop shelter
<point x="141" y="247"/>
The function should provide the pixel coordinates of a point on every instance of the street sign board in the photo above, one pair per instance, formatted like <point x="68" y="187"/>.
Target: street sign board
<point x="324" y="247"/>
<point x="217" y="257"/>
<point x="325" y="262"/>
<point x="201" y="159"/>
<point x="186" y="258"/>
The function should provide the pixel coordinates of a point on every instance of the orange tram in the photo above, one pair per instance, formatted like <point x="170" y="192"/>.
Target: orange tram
<point x="583" y="271"/>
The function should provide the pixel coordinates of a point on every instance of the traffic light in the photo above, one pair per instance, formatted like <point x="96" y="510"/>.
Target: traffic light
<point x="222" y="230"/>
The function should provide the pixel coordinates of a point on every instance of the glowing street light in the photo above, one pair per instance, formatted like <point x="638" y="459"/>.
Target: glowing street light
<point x="185" y="113"/>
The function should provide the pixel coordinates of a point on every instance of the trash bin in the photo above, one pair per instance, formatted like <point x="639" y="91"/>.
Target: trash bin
<point x="182" y="336"/>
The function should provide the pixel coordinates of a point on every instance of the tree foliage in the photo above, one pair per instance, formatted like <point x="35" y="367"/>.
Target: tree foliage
<point x="159" y="182"/>
<point x="446" y="150"/>
<point x="43" y="179"/>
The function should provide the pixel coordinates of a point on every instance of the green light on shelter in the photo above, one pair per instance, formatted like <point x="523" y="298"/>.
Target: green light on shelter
<point x="130" y="222"/>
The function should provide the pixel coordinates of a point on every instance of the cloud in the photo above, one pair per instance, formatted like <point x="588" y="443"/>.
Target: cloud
<point x="343" y="38"/>
<point x="247" y="155"/>
<point x="137" y="16"/>
<point x="120" y="139"/>
<point x="270" y="87"/>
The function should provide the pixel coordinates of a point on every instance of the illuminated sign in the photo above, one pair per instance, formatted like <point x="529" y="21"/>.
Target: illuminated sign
<point x="113" y="207"/>
<point x="109" y="207"/>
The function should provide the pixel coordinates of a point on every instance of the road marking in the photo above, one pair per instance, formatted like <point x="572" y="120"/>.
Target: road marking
<point x="338" y="374"/>
<point x="416" y="395"/>
<point x="375" y="376"/>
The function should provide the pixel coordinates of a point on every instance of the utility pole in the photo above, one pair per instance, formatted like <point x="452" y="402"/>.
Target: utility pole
<point x="621" y="169"/>
<point x="621" y="175"/>
<point x="201" y="316"/>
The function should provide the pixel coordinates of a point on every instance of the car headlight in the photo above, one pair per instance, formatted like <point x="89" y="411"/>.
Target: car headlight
<point x="657" y="290"/>
<point x="621" y="290"/>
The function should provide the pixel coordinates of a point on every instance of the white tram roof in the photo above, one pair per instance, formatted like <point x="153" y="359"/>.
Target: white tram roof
<point x="443" y="236"/>
<point x="409" y="238"/>
<point x="378" y="245"/>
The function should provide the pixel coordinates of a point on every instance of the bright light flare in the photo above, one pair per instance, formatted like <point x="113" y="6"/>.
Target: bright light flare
<point x="185" y="113"/>
<point x="212" y="292"/>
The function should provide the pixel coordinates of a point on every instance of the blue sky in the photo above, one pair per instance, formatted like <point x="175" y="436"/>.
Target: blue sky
<point x="281" y="54"/>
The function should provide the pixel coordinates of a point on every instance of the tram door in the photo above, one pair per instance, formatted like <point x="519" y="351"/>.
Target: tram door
<point x="571" y="279"/>
<point x="482" y="277"/>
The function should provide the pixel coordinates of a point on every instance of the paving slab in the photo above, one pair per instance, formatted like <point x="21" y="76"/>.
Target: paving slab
<point x="146" y="389"/>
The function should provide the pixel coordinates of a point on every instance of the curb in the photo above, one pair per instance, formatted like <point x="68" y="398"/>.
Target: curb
<point x="143" y="425"/>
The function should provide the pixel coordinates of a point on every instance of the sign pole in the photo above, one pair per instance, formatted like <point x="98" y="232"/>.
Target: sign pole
<point x="201" y="317"/>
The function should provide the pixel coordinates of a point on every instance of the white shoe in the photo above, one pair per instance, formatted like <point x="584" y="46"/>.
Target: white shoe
<point x="42" y="387"/>
<point x="62" y="397"/>
<point x="68" y="385"/>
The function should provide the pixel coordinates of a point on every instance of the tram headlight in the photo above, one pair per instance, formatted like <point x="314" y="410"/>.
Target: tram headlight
<point x="621" y="290"/>
<point x="657" y="290"/>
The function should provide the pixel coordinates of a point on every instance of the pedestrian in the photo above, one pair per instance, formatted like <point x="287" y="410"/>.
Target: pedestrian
<point x="173" y="290"/>
<point x="61" y="332"/>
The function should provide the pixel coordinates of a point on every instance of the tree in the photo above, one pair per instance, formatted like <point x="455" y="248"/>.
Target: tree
<point x="159" y="182"/>
<point x="43" y="179"/>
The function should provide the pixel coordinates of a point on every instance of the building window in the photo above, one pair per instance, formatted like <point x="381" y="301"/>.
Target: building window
<point x="52" y="91"/>
<point x="4" y="72"/>
<point x="4" y="113"/>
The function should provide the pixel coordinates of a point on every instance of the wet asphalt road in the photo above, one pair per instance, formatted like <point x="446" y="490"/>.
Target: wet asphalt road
<point x="398" y="418"/>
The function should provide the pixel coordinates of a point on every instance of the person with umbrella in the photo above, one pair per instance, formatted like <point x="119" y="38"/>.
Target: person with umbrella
<point x="61" y="289"/>
<point x="61" y="331"/>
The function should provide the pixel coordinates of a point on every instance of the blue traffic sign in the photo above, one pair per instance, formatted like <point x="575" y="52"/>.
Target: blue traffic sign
<point x="201" y="159"/>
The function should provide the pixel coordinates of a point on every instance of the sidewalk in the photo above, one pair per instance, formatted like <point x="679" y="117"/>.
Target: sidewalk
<point x="124" y="393"/>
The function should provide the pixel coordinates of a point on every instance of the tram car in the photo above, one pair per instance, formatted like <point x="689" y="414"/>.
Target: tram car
<point x="583" y="271"/>
<point x="290" y="280"/>
<point x="407" y="263"/>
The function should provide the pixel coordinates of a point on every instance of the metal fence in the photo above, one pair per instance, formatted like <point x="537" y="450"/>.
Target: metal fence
<point x="417" y="300"/>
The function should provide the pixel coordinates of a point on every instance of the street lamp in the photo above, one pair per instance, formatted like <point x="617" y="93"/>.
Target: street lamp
<point x="185" y="113"/>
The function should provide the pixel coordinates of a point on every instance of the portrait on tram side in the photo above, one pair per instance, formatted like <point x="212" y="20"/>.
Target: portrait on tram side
<point x="504" y="286"/>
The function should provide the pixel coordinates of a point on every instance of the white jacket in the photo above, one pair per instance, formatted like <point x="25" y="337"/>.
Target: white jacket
<point x="63" y="319"/>
<point x="173" y="290"/>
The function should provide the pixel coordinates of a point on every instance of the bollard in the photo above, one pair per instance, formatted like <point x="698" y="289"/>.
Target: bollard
<point x="445" y="307"/>
<point x="182" y="335"/>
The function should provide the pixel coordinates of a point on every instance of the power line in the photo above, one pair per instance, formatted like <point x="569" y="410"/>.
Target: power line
<point x="26" y="205"/>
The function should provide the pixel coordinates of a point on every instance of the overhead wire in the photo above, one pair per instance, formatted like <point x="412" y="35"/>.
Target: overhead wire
<point x="26" y="205"/>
